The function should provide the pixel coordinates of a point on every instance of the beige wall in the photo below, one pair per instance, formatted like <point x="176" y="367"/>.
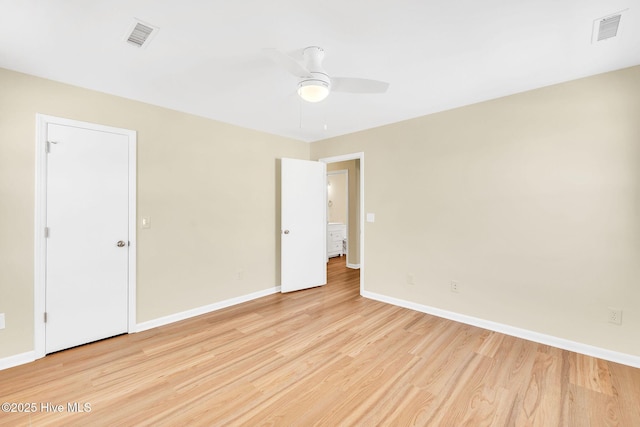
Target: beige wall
<point x="337" y="197"/>
<point x="209" y="188"/>
<point x="353" y="172"/>
<point x="531" y="202"/>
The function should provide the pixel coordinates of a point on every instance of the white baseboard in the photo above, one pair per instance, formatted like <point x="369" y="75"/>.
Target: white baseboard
<point x="17" y="359"/>
<point x="354" y="266"/>
<point x="589" y="350"/>
<point x="203" y="310"/>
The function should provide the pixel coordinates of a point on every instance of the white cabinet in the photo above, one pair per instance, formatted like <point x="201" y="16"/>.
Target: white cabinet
<point x="336" y="234"/>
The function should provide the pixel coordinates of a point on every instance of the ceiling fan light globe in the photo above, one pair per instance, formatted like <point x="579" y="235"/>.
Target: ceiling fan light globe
<point x="313" y="90"/>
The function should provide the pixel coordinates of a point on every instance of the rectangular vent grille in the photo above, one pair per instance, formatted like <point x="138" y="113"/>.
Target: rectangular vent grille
<point x="140" y="33"/>
<point x="609" y="27"/>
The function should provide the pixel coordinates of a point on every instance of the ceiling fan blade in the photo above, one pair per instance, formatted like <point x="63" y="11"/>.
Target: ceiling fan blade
<point x="287" y="62"/>
<point x="355" y="85"/>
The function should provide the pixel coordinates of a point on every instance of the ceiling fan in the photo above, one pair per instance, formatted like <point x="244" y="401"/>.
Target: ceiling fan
<point x="315" y="84"/>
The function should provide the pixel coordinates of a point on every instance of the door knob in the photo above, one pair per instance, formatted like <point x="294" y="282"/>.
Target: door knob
<point x="120" y="243"/>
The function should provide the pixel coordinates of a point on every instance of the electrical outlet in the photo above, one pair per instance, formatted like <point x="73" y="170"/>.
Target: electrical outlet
<point x="455" y="286"/>
<point x="410" y="279"/>
<point x="615" y="315"/>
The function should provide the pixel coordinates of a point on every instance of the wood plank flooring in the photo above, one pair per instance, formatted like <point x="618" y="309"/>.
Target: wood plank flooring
<point x="325" y="357"/>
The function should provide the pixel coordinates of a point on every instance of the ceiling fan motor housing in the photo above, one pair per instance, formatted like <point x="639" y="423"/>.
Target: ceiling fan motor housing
<point x="317" y="84"/>
<point x="319" y="79"/>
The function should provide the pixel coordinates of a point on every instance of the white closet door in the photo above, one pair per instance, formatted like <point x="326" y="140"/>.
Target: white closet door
<point x="87" y="246"/>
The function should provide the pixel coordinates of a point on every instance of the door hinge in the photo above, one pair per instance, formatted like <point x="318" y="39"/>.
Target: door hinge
<point x="45" y="317"/>
<point x="46" y="232"/>
<point x="49" y="145"/>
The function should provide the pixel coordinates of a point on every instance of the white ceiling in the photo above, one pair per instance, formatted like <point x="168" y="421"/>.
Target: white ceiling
<point x="207" y="59"/>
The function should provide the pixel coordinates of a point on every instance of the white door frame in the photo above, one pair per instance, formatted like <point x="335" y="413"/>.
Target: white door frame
<point x="39" y="292"/>
<point x="343" y="158"/>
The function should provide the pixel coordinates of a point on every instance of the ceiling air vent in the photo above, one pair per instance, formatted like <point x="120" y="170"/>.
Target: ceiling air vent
<point x="606" y="27"/>
<point x="609" y="27"/>
<point x="140" y="33"/>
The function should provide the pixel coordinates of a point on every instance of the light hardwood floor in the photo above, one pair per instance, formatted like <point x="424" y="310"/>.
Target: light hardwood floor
<point x="324" y="356"/>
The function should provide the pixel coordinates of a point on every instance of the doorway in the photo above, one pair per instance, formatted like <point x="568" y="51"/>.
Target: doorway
<point x="85" y="233"/>
<point x="354" y="163"/>
<point x="337" y="210"/>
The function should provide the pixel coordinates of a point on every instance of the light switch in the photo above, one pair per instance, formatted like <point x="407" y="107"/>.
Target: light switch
<point x="146" y="222"/>
<point x="1" y="320"/>
<point x="371" y="217"/>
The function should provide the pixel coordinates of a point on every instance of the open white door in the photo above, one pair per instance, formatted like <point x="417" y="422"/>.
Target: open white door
<point x="304" y="225"/>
